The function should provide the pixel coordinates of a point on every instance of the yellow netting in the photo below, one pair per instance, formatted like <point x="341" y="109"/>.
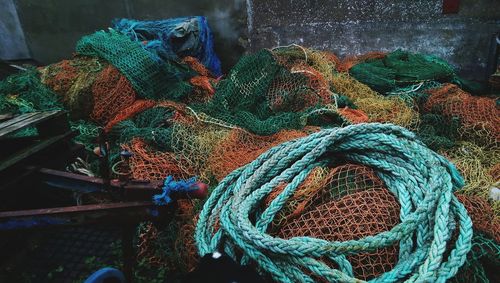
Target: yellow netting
<point x="378" y="108"/>
<point x="476" y="164"/>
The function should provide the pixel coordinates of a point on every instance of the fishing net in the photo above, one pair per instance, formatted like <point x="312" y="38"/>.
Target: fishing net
<point x="482" y="215"/>
<point x="294" y="55"/>
<point x="348" y="62"/>
<point x="88" y="133"/>
<point x="399" y="68"/>
<point x="155" y="246"/>
<point x="152" y="125"/>
<point x="482" y="261"/>
<point x="479" y="116"/>
<point x="203" y="89"/>
<point x="73" y="80"/>
<point x="148" y="163"/>
<point x="438" y="131"/>
<point x="377" y="107"/>
<point x="193" y="143"/>
<point x="112" y="92"/>
<point x="338" y="204"/>
<point x="126" y="113"/>
<point x="24" y="92"/>
<point x="241" y="147"/>
<point x="476" y="164"/>
<point x="150" y="76"/>
<point x="174" y="38"/>
<point x="264" y="97"/>
<point x="186" y="246"/>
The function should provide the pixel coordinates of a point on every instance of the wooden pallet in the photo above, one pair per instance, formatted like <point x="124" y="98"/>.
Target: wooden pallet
<point x="52" y="127"/>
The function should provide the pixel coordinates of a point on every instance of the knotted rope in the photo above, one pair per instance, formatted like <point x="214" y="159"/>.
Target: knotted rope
<point x="233" y="220"/>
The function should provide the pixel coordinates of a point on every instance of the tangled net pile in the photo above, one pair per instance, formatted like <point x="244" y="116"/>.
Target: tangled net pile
<point x="156" y="89"/>
<point x="317" y="248"/>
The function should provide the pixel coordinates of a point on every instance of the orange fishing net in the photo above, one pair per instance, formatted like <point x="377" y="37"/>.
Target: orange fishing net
<point x="479" y="116"/>
<point x="124" y="114"/>
<point x="185" y="246"/>
<point x="145" y="250"/>
<point x="339" y="204"/>
<point x="203" y="90"/>
<point x="350" y="61"/>
<point x="73" y="79"/>
<point x="147" y="163"/>
<point x="241" y="147"/>
<point x="194" y="64"/>
<point x="355" y="116"/>
<point x="482" y="215"/>
<point x="112" y="93"/>
<point x="303" y="87"/>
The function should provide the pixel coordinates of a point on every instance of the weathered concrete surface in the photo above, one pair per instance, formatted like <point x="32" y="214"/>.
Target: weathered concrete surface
<point x="52" y="27"/>
<point x="354" y="27"/>
<point x="12" y="42"/>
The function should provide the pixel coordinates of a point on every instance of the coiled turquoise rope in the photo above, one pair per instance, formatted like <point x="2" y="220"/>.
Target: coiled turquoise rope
<point x="422" y="180"/>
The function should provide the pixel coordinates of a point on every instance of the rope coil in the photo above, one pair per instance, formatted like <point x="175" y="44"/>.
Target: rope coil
<point x="422" y="181"/>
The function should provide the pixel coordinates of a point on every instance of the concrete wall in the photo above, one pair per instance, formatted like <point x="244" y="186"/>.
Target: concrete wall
<point x="12" y="42"/>
<point x="52" y="27"/>
<point x="355" y="27"/>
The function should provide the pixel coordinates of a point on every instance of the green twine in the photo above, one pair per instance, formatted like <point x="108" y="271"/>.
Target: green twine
<point x="422" y="180"/>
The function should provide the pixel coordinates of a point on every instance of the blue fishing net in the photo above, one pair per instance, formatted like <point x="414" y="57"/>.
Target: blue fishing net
<point x="174" y="38"/>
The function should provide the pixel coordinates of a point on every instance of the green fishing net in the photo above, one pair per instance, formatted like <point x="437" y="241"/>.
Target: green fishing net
<point x="24" y="92"/>
<point x="152" y="125"/>
<point x="482" y="261"/>
<point x="399" y="68"/>
<point x="150" y="76"/>
<point x="245" y="99"/>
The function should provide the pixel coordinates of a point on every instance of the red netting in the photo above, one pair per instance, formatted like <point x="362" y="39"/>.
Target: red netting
<point x="479" y="116"/>
<point x="355" y="116"/>
<point x="495" y="171"/>
<point x="350" y="202"/>
<point x="145" y="249"/>
<point x="203" y="90"/>
<point x="350" y="61"/>
<point x="185" y="246"/>
<point x="124" y="114"/>
<point x="482" y="215"/>
<point x="303" y="87"/>
<point x="149" y="164"/>
<point x="112" y="92"/>
<point x="72" y="80"/>
<point x="194" y="64"/>
<point x="60" y="76"/>
<point x="241" y="147"/>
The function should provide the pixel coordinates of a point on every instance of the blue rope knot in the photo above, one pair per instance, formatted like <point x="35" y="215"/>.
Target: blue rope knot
<point x="170" y="185"/>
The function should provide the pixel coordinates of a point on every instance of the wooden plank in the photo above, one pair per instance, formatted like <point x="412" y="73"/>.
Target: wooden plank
<point x="16" y="119"/>
<point x="19" y="156"/>
<point x="75" y="209"/>
<point x="29" y="120"/>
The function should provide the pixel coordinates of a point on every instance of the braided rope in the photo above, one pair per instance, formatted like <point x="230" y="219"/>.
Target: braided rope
<point x="422" y="180"/>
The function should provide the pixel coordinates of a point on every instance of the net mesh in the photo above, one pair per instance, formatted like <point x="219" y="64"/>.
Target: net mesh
<point x="475" y="164"/>
<point x="348" y="203"/>
<point x="177" y="119"/>
<point x="147" y="163"/>
<point x="111" y="93"/>
<point x="241" y="147"/>
<point x="479" y="116"/>
<point x="150" y="76"/>
<point x="482" y="215"/>
<point x="24" y="92"/>
<point x="399" y="68"/>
